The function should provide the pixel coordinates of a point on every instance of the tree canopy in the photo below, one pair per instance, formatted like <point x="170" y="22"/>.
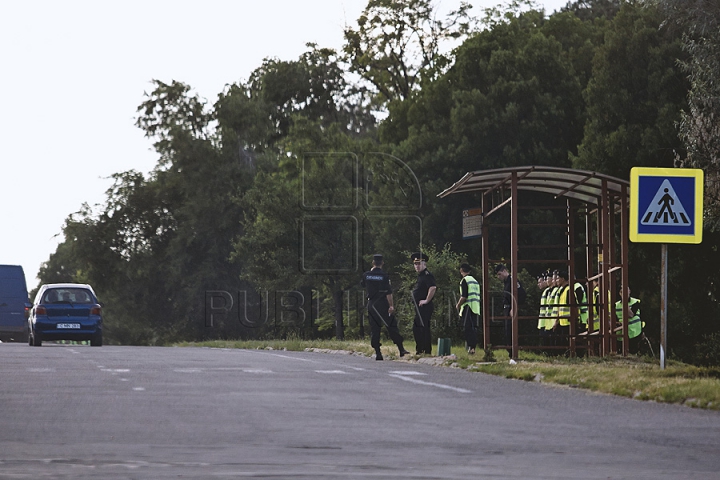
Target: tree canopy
<point x="291" y="180"/>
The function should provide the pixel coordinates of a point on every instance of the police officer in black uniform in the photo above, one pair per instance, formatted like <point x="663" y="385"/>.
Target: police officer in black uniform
<point x="422" y="298"/>
<point x="504" y="276"/>
<point x="380" y="307"/>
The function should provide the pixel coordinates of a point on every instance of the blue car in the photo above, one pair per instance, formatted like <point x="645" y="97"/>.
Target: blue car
<point x="65" y="311"/>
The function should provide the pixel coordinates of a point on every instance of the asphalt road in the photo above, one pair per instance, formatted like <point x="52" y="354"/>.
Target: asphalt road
<point x="133" y="412"/>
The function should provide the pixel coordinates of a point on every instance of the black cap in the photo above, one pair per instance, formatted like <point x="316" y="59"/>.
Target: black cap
<point x="465" y="268"/>
<point x="377" y="259"/>
<point x="499" y="267"/>
<point x="417" y="256"/>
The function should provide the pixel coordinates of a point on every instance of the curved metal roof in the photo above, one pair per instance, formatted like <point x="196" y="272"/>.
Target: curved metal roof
<point x="580" y="185"/>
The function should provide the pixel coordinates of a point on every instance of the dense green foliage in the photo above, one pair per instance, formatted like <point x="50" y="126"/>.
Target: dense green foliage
<point x="289" y="182"/>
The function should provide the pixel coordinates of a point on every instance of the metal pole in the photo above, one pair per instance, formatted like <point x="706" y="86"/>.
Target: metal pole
<point x="514" y="205"/>
<point x="663" y="304"/>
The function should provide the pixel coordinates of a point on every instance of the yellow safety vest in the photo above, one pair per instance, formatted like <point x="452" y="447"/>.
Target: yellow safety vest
<point x="563" y="310"/>
<point x="635" y="325"/>
<point x="552" y="309"/>
<point x="544" y="308"/>
<point x="581" y="303"/>
<point x="473" y="298"/>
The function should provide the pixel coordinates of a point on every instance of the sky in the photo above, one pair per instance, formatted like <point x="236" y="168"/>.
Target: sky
<point x="74" y="73"/>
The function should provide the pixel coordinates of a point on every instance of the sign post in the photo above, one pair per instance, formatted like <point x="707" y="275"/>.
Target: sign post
<point x="666" y="206"/>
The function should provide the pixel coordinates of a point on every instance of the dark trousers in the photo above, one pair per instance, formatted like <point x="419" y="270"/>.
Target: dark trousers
<point x="421" y="328"/>
<point x="633" y="345"/>
<point x="470" y="321"/>
<point x="544" y="338"/>
<point x="377" y="317"/>
<point x="562" y="336"/>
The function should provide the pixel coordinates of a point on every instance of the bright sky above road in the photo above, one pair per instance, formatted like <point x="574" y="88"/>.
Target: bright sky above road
<point x="74" y="73"/>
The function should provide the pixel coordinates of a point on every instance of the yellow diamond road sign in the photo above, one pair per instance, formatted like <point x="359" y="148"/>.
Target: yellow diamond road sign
<point x="666" y="205"/>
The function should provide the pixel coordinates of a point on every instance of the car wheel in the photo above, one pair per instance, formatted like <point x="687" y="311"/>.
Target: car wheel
<point x="36" y="339"/>
<point x="96" y="341"/>
<point x="30" y="338"/>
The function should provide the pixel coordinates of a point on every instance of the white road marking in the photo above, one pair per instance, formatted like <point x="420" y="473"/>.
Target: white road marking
<point x="438" y="385"/>
<point x="292" y="358"/>
<point x="332" y="371"/>
<point x="40" y="370"/>
<point x="256" y="370"/>
<point x="116" y="370"/>
<point x="406" y="372"/>
<point x="139" y="389"/>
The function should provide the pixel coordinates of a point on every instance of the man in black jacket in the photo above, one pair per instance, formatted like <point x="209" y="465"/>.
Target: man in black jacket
<point x="380" y="307"/>
<point x="423" y="294"/>
<point x="508" y="302"/>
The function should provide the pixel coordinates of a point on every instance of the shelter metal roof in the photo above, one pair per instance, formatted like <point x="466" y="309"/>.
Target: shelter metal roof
<point x="580" y="185"/>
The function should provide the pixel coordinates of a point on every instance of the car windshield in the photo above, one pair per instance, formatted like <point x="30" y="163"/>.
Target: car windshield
<point x="67" y="295"/>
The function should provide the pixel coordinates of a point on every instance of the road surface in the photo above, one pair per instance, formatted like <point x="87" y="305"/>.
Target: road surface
<point x="141" y="412"/>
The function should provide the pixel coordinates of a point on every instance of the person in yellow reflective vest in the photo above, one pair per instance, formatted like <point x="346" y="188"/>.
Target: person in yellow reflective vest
<point x="582" y="306"/>
<point x="635" y="324"/>
<point x="544" y="288"/>
<point x="551" y="312"/>
<point x="561" y="309"/>
<point x="597" y="305"/>
<point x="468" y="306"/>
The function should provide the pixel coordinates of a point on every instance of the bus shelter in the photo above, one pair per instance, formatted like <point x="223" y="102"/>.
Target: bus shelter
<point x="594" y="254"/>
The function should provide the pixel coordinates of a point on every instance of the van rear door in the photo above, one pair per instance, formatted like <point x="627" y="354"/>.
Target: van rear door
<point x="13" y="297"/>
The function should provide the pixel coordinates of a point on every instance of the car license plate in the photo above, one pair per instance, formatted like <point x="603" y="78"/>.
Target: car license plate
<point x="68" y="325"/>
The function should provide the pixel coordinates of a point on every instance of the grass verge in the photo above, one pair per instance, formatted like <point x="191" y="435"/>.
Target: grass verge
<point x="633" y="377"/>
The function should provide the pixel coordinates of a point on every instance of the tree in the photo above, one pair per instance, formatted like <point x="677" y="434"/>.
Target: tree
<point x="588" y="10"/>
<point x="396" y="44"/>
<point x="301" y="226"/>
<point x="699" y="20"/>
<point x="512" y="97"/>
<point x="635" y="96"/>
<point x="159" y="243"/>
<point x="256" y="115"/>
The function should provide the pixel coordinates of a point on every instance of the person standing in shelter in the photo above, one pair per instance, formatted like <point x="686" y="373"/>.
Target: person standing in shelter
<point x="561" y="309"/>
<point x="423" y="294"/>
<point x="581" y="303"/>
<point x="380" y="307"/>
<point x="635" y="324"/>
<point x="598" y="305"/>
<point x="551" y="308"/>
<point x="508" y="302"/>
<point x="469" y="306"/>
<point x="544" y="289"/>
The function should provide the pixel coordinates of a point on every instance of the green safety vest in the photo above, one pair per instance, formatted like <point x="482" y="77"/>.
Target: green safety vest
<point x="551" y="308"/>
<point x="596" y="309"/>
<point x="473" y="298"/>
<point x="635" y="324"/>
<point x="582" y="304"/>
<point x="544" y="309"/>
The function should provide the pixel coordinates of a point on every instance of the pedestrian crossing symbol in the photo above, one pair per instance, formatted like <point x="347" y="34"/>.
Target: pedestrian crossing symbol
<point x="665" y="208"/>
<point x="666" y="205"/>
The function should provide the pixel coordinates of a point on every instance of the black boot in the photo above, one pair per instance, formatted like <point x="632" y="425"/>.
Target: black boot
<point x="402" y="350"/>
<point x="378" y="355"/>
